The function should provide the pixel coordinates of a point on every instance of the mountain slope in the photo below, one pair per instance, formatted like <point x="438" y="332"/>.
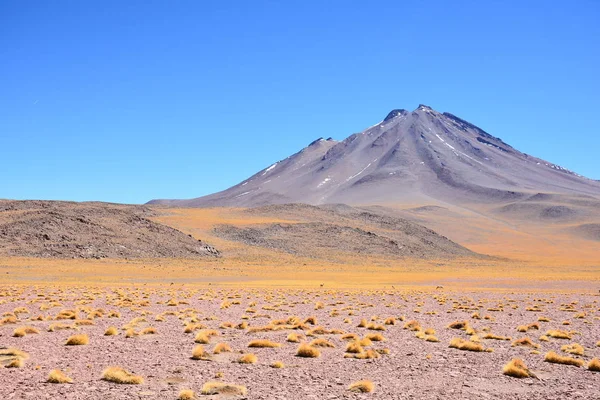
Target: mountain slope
<point x="320" y="231"/>
<point x="409" y="157"/>
<point x="59" y="229"/>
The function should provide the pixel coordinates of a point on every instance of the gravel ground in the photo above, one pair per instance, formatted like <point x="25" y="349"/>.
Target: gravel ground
<point x="413" y="369"/>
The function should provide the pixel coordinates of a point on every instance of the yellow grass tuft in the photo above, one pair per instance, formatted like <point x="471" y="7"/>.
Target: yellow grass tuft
<point x="525" y="342"/>
<point x="293" y="338"/>
<point x="307" y="351"/>
<point x="558" y="334"/>
<point x="463" y="325"/>
<point x="350" y="336"/>
<point x="594" y="365"/>
<point x="375" y="337"/>
<point x="320" y="342"/>
<point x="552" y="357"/>
<point x="263" y="343"/>
<point x="213" y="388"/>
<point x="78" y="340"/>
<point x="222" y="348"/>
<point x="187" y="394"/>
<point x="461" y="344"/>
<point x="204" y="336"/>
<point x="376" y="327"/>
<point x="574" y="348"/>
<point x="129" y="333"/>
<point x="121" y="376"/>
<point x="198" y="353"/>
<point x="58" y="327"/>
<point x="13" y="358"/>
<point x="111" y="331"/>
<point x="57" y="376"/>
<point x="278" y="364"/>
<point x="495" y="337"/>
<point x="148" y="331"/>
<point x="365" y="355"/>
<point x="412" y="326"/>
<point x="24" y="330"/>
<point x="517" y="369"/>
<point x="248" y="359"/>
<point x="362" y="387"/>
<point x="354" y="347"/>
<point x="431" y="338"/>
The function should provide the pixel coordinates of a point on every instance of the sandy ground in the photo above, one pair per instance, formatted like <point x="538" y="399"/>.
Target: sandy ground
<point x="413" y="368"/>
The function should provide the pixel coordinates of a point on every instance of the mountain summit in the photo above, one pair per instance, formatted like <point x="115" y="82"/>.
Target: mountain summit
<point x="409" y="157"/>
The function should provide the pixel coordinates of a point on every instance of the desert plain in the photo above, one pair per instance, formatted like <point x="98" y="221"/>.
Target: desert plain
<point x="273" y="321"/>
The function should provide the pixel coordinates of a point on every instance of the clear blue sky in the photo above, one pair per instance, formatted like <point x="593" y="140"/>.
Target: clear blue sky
<point x="127" y="101"/>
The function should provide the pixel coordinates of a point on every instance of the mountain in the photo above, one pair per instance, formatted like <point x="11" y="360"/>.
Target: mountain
<point x="414" y="157"/>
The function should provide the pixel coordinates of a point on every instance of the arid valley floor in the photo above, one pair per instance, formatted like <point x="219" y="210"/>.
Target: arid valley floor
<point x="277" y="323"/>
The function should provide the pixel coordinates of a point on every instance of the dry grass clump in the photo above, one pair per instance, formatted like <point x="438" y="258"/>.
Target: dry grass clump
<point x="204" y="336"/>
<point x="319" y="330"/>
<point x="148" y="331"/>
<point x="412" y="326"/>
<point x="362" y="387"/>
<point x="376" y="327"/>
<point x="222" y="348"/>
<point x="13" y="358"/>
<point x="78" y="340"/>
<point x="111" y="331"/>
<point x="525" y="342"/>
<point x="213" y="388"/>
<point x="350" y="336"/>
<point x="311" y="320"/>
<point x="363" y="323"/>
<point x="122" y="376"/>
<point x="129" y="333"/>
<point x="24" y="330"/>
<point x="558" y="334"/>
<point x="375" y="337"/>
<point x="552" y="357"/>
<point x="365" y="355"/>
<point x="490" y="335"/>
<point x="187" y="394"/>
<point x="59" y="327"/>
<point x="354" y="347"/>
<point x="517" y="369"/>
<point x="57" y="376"/>
<point x="248" y="359"/>
<point x="320" y="342"/>
<point x="10" y="319"/>
<point x="390" y="321"/>
<point x="307" y="351"/>
<point x="573" y="348"/>
<point x="525" y="328"/>
<point x="293" y="338"/>
<point x="594" y="365"/>
<point x="462" y="325"/>
<point x="431" y="338"/>
<point x="277" y="364"/>
<point x="544" y="319"/>
<point x="198" y="353"/>
<point x="263" y="343"/>
<point x="84" y="322"/>
<point x="461" y="344"/>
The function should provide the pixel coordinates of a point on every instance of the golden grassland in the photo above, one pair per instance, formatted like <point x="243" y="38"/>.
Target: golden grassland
<point x="528" y="260"/>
